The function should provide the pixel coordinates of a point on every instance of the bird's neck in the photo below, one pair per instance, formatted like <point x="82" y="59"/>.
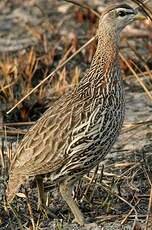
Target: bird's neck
<point x="106" y="55"/>
<point x="103" y="76"/>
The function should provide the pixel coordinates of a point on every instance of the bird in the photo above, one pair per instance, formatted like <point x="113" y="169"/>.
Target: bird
<point x="78" y="130"/>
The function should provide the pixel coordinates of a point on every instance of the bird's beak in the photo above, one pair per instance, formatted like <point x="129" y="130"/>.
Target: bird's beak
<point x="139" y="16"/>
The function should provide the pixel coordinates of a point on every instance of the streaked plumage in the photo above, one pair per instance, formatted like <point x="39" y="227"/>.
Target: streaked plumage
<point x="78" y="130"/>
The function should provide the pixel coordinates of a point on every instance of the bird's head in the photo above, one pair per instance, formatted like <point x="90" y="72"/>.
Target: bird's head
<point x="117" y="17"/>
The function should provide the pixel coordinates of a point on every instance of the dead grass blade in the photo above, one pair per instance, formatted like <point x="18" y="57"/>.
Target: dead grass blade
<point x="30" y="211"/>
<point x="136" y="76"/>
<point x="149" y="178"/>
<point x="17" y="218"/>
<point x="92" y="181"/>
<point x="149" y="212"/>
<point x="148" y="71"/>
<point x="3" y="88"/>
<point x="129" y="213"/>
<point x="12" y="132"/>
<point x="28" y="123"/>
<point x="52" y="73"/>
<point x="2" y="161"/>
<point x="105" y="187"/>
<point x="83" y="5"/>
<point x="145" y="73"/>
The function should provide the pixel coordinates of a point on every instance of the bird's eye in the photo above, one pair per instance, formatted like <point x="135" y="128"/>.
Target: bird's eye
<point x="122" y="13"/>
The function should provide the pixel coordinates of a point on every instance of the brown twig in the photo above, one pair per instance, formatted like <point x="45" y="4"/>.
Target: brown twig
<point x="83" y="5"/>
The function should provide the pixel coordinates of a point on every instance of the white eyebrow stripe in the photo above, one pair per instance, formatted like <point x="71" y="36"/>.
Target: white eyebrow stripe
<point x="129" y="11"/>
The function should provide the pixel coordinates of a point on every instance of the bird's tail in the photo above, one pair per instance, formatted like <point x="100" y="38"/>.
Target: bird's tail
<point x="14" y="183"/>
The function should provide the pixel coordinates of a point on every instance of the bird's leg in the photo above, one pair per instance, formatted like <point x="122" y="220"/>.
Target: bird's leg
<point x="41" y="193"/>
<point x="66" y="194"/>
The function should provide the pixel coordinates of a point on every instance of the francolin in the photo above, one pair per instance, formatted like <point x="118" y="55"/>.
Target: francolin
<point x="77" y="131"/>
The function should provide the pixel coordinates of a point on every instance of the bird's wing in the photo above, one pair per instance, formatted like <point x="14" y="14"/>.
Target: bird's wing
<point x="44" y="146"/>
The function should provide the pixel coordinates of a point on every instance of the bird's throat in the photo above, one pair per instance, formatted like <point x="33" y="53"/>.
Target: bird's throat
<point x="106" y="54"/>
